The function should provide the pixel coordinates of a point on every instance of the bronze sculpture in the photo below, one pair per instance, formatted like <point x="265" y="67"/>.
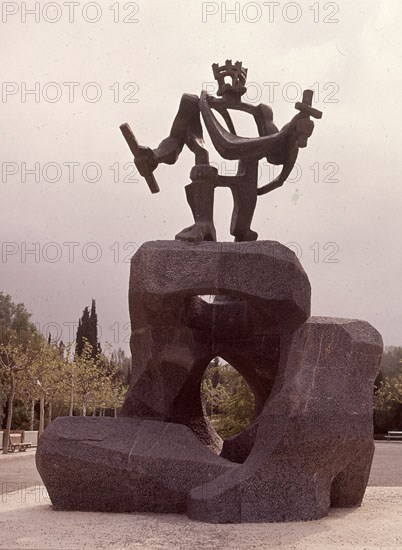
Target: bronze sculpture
<point x="280" y="147"/>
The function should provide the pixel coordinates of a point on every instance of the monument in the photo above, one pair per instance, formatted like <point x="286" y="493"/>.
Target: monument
<point x="310" y="445"/>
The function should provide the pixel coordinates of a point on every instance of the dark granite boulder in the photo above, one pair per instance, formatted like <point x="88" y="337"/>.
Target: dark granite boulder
<point x="261" y="295"/>
<point x="123" y="464"/>
<point x="314" y="443"/>
<point x="310" y="444"/>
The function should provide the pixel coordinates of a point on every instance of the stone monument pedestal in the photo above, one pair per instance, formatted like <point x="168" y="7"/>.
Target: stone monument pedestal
<point x="310" y="445"/>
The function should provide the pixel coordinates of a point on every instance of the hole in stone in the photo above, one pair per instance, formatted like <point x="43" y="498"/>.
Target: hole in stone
<point x="220" y="298"/>
<point x="208" y="298"/>
<point x="227" y="398"/>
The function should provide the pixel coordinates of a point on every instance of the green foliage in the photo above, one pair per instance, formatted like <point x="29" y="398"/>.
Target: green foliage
<point x="391" y="361"/>
<point x="96" y="382"/>
<point x="34" y="370"/>
<point x="16" y="358"/>
<point x="14" y="320"/>
<point x="388" y="392"/>
<point x="20" y="416"/>
<point x="227" y="399"/>
<point x="121" y="364"/>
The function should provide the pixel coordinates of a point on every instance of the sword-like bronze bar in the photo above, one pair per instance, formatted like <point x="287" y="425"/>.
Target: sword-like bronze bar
<point x="135" y="149"/>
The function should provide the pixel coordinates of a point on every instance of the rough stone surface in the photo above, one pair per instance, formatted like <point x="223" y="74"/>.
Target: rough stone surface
<point x="123" y="464"/>
<point x="262" y="294"/>
<point x="310" y="445"/>
<point x="314" y="443"/>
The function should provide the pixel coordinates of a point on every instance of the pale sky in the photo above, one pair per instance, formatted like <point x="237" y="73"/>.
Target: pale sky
<point x="344" y="202"/>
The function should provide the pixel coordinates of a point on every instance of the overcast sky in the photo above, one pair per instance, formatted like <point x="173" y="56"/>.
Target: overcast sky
<point x="93" y="68"/>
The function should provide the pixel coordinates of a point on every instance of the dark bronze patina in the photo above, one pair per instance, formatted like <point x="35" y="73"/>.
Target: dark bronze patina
<point x="279" y="147"/>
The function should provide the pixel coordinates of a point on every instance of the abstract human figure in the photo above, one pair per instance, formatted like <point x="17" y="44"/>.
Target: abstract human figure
<point x="279" y="147"/>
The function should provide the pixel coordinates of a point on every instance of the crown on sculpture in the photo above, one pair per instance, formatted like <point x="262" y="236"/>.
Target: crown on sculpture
<point x="236" y="72"/>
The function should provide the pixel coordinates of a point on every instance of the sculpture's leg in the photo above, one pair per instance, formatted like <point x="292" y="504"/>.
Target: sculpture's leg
<point x="314" y="443"/>
<point x="245" y="200"/>
<point x="348" y="487"/>
<point x="181" y="352"/>
<point x="200" y="197"/>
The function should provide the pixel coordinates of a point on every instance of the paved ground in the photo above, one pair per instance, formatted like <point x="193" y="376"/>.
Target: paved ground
<point x="27" y="521"/>
<point x="386" y="470"/>
<point x="18" y="471"/>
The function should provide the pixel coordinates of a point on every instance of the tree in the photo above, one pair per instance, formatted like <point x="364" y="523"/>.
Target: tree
<point x="240" y="405"/>
<point x="227" y="398"/>
<point x="389" y="392"/>
<point x="99" y="383"/>
<point x="87" y="376"/>
<point x="109" y="394"/>
<point x="387" y="400"/>
<point x="34" y="369"/>
<point x="88" y="331"/>
<point x="68" y="376"/>
<point x="214" y="389"/>
<point x="14" y="359"/>
<point x="14" y="319"/>
<point x="121" y="364"/>
<point x="118" y="395"/>
<point x="14" y="322"/>
<point x="28" y="392"/>
<point x="391" y="361"/>
<point x="47" y="375"/>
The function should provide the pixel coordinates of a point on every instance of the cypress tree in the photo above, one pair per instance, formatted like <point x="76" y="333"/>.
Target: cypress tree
<point x="93" y="330"/>
<point x="88" y="330"/>
<point x="79" y="342"/>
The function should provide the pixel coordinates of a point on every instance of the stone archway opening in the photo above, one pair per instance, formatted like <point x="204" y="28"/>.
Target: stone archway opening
<point x="227" y="399"/>
<point x="207" y="298"/>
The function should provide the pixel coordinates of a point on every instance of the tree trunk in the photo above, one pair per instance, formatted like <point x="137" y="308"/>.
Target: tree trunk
<point x="84" y="408"/>
<point x="32" y="421"/>
<point x="41" y="414"/>
<point x="6" y="433"/>
<point x="49" y="413"/>
<point x="115" y="412"/>
<point x="71" y="411"/>
<point x="94" y="412"/>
